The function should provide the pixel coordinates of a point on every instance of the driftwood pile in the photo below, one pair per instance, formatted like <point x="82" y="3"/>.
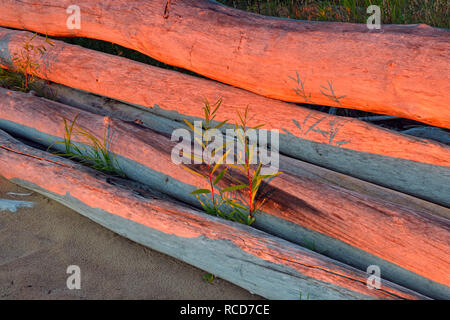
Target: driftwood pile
<point x="362" y="194"/>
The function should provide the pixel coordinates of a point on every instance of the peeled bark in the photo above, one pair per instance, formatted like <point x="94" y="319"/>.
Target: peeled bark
<point x="410" y="246"/>
<point x="400" y="70"/>
<point x="414" y="166"/>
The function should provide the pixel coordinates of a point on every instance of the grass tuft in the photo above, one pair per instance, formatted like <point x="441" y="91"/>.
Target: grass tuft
<point x="97" y="154"/>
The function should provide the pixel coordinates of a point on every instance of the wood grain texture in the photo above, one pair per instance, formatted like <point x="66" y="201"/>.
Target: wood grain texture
<point x="399" y="70"/>
<point x="412" y="165"/>
<point x="116" y="109"/>
<point x="263" y="264"/>
<point x="412" y="246"/>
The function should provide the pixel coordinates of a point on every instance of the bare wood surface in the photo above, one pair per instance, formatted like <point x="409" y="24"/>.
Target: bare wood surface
<point x="116" y="109"/>
<point x="411" y="165"/>
<point x="400" y="70"/>
<point x="411" y="246"/>
<point x="261" y="263"/>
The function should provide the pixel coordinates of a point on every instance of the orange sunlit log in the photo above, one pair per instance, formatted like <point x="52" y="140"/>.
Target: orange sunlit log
<point x="416" y="241"/>
<point x="165" y="225"/>
<point x="146" y="85"/>
<point x="116" y="109"/>
<point x="400" y="70"/>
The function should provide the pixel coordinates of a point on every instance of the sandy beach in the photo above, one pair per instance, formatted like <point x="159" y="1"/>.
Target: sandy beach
<point x="38" y="243"/>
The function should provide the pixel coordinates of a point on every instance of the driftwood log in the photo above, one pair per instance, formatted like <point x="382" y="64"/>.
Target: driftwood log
<point x="410" y="246"/>
<point x="123" y="111"/>
<point x="254" y="260"/>
<point x="408" y="164"/>
<point x="400" y="70"/>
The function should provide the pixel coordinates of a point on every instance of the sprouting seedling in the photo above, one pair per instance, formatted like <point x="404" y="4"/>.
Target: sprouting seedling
<point x="209" y="277"/>
<point x="253" y="176"/>
<point x="330" y="93"/>
<point x="96" y="154"/>
<point x="212" y="200"/>
<point x="25" y="61"/>
<point x="300" y="89"/>
<point x="223" y="202"/>
<point x="301" y="296"/>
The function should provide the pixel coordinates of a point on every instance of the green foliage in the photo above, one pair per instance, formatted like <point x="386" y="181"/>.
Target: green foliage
<point x="27" y="64"/>
<point x="226" y="202"/>
<point x="96" y="154"/>
<point x="300" y="297"/>
<point x="209" y="277"/>
<point x="252" y="173"/>
<point x="432" y="12"/>
<point x="15" y="81"/>
<point x="27" y="61"/>
<point x="214" y="201"/>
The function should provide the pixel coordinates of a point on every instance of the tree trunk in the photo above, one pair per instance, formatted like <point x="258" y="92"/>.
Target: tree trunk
<point x="254" y="260"/>
<point x="410" y="246"/>
<point x="400" y="70"/>
<point x="116" y="109"/>
<point x="414" y="166"/>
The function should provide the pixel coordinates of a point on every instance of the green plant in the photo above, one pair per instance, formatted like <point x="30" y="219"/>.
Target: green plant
<point x="224" y="202"/>
<point x="96" y="154"/>
<point x="251" y="172"/>
<point x="27" y="61"/>
<point x="301" y="294"/>
<point x="432" y="12"/>
<point x="213" y="200"/>
<point x="209" y="277"/>
<point x="27" y="64"/>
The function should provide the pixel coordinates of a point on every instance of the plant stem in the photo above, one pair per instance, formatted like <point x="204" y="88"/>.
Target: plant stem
<point x="249" y="178"/>
<point x="211" y="184"/>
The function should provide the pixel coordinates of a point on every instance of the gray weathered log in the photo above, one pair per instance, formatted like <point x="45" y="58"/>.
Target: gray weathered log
<point x="123" y="111"/>
<point x="397" y="161"/>
<point x="254" y="260"/>
<point x="400" y="70"/>
<point x="432" y="133"/>
<point x="357" y="229"/>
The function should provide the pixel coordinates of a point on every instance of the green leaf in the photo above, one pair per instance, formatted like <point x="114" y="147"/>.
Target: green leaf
<point x="194" y="172"/>
<point x="234" y="188"/>
<point x="217" y="104"/>
<point x="240" y="168"/>
<point x="221" y="161"/>
<point x="258" y="126"/>
<point x="220" y="176"/>
<point x="235" y="204"/>
<point x="265" y="176"/>
<point x="200" y="191"/>
<point x="221" y="124"/>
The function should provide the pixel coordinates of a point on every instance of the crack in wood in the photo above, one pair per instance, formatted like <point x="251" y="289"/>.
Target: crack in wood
<point x="166" y="9"/>
<point x="33" y="156"/>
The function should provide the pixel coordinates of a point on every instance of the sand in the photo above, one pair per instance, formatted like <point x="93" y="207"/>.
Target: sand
<point x="37" y="245"/>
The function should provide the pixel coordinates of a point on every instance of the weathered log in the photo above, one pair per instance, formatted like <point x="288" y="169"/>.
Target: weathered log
<point x="254" y="260"/>
<point x="430" y="133"/>
<point x="414" y="166"/>
<point x="357" y="229"/>
<point x="116" y="109"/>
<point x="400" y="70"/>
